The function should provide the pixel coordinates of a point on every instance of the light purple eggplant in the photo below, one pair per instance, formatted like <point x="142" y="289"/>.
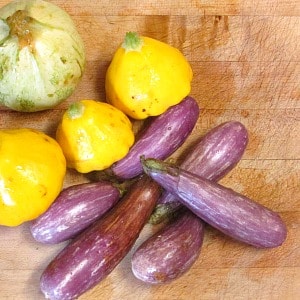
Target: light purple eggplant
<point x="228" y="211"/>
<point x="212" y="157"/>
<point x="95" y="252"/>
<point x="75" y="208"/>
<point x="171" y="251"/>
<point x="163" y="136"/>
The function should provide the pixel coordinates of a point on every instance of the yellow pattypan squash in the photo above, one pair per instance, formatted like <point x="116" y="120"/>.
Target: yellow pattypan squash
<point x="146" y="77"/>
<point x="32" y="170"/>
<point x="93" y="135"/>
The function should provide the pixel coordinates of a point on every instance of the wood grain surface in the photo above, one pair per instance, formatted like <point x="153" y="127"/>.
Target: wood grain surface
<point x="246" y="61"/>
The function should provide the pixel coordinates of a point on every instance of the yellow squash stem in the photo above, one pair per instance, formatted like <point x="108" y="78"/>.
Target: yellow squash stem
<point x="75" y="110"/>
<point x="132" y="42"/>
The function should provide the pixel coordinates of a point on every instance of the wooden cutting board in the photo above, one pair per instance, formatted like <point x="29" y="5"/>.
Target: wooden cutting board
<point x="245" y="58"/>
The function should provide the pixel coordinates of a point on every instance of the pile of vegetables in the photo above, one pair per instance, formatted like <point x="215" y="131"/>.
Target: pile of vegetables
<point x="133" y="182"/>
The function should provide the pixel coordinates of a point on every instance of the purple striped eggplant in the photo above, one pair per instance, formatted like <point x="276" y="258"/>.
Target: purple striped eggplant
<point x="228" y="211"/>
<point x="75" y="208"/>
<point x="212" y="157"/>
<point x="161" y="258"/>
<point x="171" y="251"/>
<point x="165" y="134"/>
<point x="94" y="253"/>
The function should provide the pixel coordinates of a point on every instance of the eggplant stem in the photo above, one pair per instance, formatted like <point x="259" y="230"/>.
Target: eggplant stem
<point x="161" y="213"/>
<point x="107" y="175"/>
<point x="158" y="166"/>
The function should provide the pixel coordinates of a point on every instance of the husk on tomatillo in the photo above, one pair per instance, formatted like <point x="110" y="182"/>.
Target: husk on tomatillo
<point x="42" y="55"/>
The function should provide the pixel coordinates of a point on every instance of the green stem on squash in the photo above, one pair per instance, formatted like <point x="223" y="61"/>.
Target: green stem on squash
<point x="75" y="110"/>
<point x="132" y="42"/>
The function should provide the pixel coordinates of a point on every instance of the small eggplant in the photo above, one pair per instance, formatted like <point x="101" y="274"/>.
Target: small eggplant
<point x="171" y="251"/>
<point x="165" y="134"/>
<point x="75" y="208"/>
<point x="228" y="211"/>
<point x="95" y="252"/>
<point x="212" y="157"/>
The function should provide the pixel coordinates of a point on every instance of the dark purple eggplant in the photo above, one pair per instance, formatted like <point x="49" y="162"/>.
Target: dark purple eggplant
<point x="94" y="253"/>
<point x="212" y="157"/>
<point x="228" y="211"/>
<point x="165" y="134"/>
<point x="171" y="251"/>
<point x="75" y="208"/>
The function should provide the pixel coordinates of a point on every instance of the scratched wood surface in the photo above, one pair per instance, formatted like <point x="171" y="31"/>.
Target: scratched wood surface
<point x="245" y="57"/>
